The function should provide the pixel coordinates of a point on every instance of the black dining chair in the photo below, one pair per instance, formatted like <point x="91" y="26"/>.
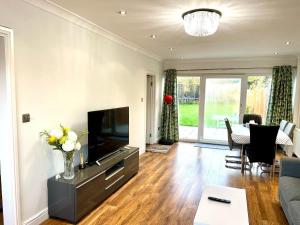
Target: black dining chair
<point x="262" y="146"/>
<point x="232" y="145"/>
<point x="257" y="118"/>
<point x="283" y="124"/>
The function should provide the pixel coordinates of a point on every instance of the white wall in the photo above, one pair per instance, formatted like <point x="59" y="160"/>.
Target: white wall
<point x="63" y="71"/>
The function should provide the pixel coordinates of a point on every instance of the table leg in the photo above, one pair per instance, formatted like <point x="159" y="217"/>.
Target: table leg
<point x="242" y="160"/>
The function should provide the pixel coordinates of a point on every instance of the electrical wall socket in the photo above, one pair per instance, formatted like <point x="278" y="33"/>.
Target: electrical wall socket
<point x="26" y="118"/>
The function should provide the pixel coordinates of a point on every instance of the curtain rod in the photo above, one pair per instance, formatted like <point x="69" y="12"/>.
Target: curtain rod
<point x="241" y="68"/>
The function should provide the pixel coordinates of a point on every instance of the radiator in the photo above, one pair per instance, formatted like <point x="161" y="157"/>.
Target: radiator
<point x="296" y="141"/>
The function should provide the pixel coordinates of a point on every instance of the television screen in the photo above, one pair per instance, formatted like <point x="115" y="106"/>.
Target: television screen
<point x="108" y="132"/>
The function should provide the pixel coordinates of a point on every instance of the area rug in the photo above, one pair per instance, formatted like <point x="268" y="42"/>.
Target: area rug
<point x="213" y="146"/>
<point x="158" y="148"/>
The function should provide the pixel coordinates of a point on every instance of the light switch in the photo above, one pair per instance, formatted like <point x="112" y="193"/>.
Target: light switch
<point x="142" y="99"/>
<point x="26" y="118"/>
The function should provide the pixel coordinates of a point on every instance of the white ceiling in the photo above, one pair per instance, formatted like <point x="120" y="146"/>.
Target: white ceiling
<point x="248" y="27"/>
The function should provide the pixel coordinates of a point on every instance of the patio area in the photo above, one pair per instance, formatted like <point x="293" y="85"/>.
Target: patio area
<point x="191" y="133"/>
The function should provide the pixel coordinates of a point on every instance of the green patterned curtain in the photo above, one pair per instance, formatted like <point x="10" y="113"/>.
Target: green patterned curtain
<point x="280" y="102"/>
<point x="169" y="118"/>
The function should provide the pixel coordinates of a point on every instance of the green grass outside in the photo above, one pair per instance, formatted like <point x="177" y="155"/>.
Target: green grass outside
<point x="189" y="113"/>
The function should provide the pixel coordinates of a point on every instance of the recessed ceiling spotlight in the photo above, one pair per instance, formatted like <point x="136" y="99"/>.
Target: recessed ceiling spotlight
<point x="122" y="12"/>
<point x="275" y="53"/>
<point x="171" y="49"/>
<point x="153" y="36"/>
<point x="288" y="43"/>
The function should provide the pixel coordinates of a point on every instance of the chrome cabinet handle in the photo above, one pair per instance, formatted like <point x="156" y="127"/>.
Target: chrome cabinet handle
<point x="114" y="182"/>
<point x="114" y="173"/>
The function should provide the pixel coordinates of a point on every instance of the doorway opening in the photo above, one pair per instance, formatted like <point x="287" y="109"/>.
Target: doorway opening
<point x="188" y="107"/>
<point x="150" y="110"/>
<point x="222" y="100"/>
<point x="8" y="132"/>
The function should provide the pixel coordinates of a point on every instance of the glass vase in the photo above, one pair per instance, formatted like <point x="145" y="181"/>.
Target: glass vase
<point x="68" y="165"/>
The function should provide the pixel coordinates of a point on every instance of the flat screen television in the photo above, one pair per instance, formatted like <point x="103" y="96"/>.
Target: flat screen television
<point x="108" y="132"/>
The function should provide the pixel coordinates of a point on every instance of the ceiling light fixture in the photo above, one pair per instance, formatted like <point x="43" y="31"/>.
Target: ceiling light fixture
<point x="153" y="36"/>
<point x="122" y="12"/>
<point x="275" y="53"/>
<point x="201" y="22"/>
<point x="288" y="43"/>
<point x="171" y="49"/>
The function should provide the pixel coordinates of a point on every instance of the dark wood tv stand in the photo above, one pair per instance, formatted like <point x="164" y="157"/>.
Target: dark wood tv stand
<point x="71" y="200"/>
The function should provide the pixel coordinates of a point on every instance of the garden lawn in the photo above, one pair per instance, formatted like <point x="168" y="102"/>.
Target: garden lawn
<point x="189" y="113"/>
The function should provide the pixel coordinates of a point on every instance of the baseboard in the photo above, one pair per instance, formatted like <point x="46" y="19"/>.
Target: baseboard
<point x="38" y="218"/>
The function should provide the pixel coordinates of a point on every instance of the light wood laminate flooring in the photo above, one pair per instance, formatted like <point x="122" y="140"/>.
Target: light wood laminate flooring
<point x="168" y="188"/>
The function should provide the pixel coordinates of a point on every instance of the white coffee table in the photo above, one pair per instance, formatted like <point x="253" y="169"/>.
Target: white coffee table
<point x="216" y="213"/>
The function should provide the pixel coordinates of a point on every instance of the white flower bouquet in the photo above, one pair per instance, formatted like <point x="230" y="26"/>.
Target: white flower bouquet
<point x="66" y="141"/>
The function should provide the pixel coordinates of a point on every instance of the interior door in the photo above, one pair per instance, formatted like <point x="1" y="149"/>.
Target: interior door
<point x="150" y="109"/>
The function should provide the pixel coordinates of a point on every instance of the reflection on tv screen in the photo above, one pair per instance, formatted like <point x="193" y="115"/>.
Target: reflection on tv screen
<point x="108" y="131"/>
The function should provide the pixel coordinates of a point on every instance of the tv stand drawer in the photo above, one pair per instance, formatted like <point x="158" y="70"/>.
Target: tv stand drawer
<point x="88" y="195"/>
<point x="114" y="176"/>
<point x="131" y="164"/>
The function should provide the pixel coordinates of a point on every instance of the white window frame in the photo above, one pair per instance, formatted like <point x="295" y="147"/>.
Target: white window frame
<point x="243" y="98"/>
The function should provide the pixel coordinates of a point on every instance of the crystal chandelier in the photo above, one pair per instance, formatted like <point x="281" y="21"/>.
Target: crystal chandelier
<point x="201" y="22"/>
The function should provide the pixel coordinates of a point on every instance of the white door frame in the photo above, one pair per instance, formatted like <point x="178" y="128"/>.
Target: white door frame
<point x="9" y="142"/>
<point x="150" y="110"/>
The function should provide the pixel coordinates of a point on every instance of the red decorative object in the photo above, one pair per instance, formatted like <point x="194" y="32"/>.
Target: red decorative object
<point x="168" y="99"/>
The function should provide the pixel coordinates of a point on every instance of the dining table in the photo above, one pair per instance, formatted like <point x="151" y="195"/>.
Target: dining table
<point x="241" y="135"/>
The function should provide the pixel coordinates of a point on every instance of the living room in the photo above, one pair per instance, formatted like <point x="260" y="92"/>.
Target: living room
<point x="63" y="59"/>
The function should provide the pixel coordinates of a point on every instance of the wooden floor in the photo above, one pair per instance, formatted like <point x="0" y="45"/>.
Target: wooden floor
<point x="168" y="188"/>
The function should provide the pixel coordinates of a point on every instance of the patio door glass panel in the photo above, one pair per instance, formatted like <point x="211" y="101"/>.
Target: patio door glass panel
<point x="258" y="92"/>
<point x="188" y="107"/>
<point x="222" y="99"/>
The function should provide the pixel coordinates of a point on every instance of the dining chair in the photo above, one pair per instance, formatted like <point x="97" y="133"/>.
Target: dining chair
<point x="257" y="118"/>
<point x="232" y="145"/>
<point x="262" y="146"/>
<point x="289" y="129"/>
<point x="283" y="124"/>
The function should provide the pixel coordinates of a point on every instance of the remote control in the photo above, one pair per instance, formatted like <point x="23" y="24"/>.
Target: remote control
<point x="219" y="200"/>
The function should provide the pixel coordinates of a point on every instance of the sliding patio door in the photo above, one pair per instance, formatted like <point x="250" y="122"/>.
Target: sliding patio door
<point x="188" y="107"/>
<point x="206" y="100"/>
<point x="203" y="104"/>
<point x="222" y="99"/>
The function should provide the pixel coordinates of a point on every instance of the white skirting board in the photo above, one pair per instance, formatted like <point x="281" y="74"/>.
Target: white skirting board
<point x="38" y="218"/>
<point x="296" y="141"/>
